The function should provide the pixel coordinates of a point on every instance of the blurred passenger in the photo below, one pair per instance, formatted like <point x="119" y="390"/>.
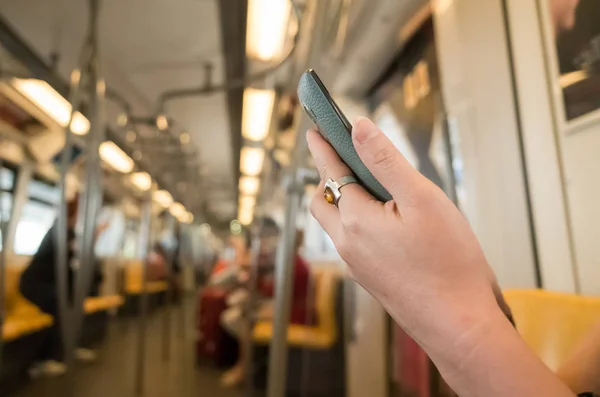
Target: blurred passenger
<point x="231" y="269"/>
<point x="39" y="285"/>
<point x="237" y="321"/>
<point x="165" y="254"/>
<point x="563" y="13"/>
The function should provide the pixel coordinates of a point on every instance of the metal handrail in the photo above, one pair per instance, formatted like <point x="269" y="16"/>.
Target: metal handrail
<point x="2" y="273"/>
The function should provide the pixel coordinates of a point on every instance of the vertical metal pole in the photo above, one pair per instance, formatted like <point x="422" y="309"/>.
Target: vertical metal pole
<point x="284" y="277"/>
<point x="145" y="231"/>
<point x="3" y="229"/>
<point x="60" y="237"/>
<point x="92" y="199"/>
<point x="250" y="304"/>
<point x="277" y="380"/>
<point x="170" y="258"/>
<point x="252" y="286"/>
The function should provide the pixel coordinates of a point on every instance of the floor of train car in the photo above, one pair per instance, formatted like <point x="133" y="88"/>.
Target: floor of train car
<point x="113" y="373"/>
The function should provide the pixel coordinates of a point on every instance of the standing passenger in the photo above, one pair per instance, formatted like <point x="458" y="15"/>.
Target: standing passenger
<point x="38" y="284"/>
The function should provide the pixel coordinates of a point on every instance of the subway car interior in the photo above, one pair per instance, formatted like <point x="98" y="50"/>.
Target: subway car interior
<point x="166" y="229"/>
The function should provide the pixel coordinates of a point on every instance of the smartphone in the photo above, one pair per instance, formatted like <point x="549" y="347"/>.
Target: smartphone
<point x="336" y="129"/>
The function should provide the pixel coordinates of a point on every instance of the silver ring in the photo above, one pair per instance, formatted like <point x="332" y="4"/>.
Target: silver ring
<point x="332" y="191"/>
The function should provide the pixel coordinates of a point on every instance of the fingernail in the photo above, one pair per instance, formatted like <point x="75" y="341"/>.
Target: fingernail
<point x="364" y="129"/>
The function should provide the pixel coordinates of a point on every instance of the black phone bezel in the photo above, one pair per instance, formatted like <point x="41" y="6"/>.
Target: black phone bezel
<point x="333" y="104"/>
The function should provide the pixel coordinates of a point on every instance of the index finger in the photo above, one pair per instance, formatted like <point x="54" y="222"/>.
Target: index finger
<point x="330" y="166"/>
<point x="384" y="160"/>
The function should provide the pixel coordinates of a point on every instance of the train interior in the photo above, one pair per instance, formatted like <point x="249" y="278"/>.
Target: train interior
<point x="153" y="157"/>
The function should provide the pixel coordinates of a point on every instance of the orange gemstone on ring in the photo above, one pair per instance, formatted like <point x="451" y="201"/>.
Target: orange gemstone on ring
<point x="329" y="196"/>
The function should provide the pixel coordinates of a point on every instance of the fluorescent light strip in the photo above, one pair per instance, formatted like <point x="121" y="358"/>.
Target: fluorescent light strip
<point x="249" y="185"/>
<point x="52" y="103"/>
<point x="142" y="181"/>
<point x="163" y="198"/>
<point x="177" y="210"/>
<point x="251" y="161"/>
<point x="247" y="201"/>
<point x="189" y="218"/>
<point x="246" y="215"/>
<point x="162" y="122"/>
<point x="257" y="113"/>
<point x="267" y="28"/>
<point x="115" y="157"/>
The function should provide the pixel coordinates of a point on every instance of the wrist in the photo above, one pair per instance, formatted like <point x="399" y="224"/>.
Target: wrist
<point x="485" y="356"/>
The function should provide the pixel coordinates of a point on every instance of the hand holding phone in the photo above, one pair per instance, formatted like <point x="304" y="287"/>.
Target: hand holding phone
<point x="335" y="128"/>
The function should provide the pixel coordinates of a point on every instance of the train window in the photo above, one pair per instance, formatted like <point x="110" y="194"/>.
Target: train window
<point x="109" y="243"/>
<point x="44" y="192"/>
<point x="36" y="220"/>
<point x="7" y="179"/>
<point x="130" y="241"/>
<point x="37" y="216"/>
<point x="7" y="183"/>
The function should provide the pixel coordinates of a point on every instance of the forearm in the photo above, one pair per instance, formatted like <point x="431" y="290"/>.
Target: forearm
<point x="581" y="371"/>
<point x="490" y="359"/>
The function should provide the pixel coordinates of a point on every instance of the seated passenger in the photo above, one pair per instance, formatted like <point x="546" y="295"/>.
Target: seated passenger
<point x="237" y="322"/>
<point x="38" y="284"/>
<point x="165" y="253"/>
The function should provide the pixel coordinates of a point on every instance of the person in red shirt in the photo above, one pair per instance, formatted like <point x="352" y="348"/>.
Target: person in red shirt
<point x="299" y="313"/>
<point x="236" y="322"/>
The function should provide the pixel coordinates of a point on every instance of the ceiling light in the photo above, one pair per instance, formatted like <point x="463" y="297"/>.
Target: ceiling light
<point x="162" y="122"/>
<point x="267" y="28"/>
<point x="52" y="103"/>
<point x="131" y="136"/>
<point x="185" y="217"/>
<point x="163" y="198"/>
<point x="257" y="112"/>
<point x="246" y="215"/>
<point x="115" y="157"/>
<point x="189" y="218"/>
<point x="251" y="161"/>
<point x="142" y="181"/>
<point x="101" y="87"/>
<point x="247" y="201"/>
<point x="184" y="138"/>
<point x="177" y="210"/>
<point x="246" y="209"/>
<point x="75" y="76"/>
<point x="249" y="185"/>
<point x="122" y="120"/>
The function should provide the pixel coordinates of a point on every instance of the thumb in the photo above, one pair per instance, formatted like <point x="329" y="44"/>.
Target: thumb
<point x="383" y="159"/>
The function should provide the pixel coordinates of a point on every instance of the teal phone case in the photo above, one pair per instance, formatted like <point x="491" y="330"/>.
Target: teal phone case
<point x="334" y="126"/>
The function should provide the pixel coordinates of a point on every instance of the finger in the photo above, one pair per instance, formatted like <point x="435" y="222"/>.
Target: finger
<point x="325" y="157"/>
<point x="330" y="166"/>
<point x="326" y="214"/>
<point x="383" y="159"/>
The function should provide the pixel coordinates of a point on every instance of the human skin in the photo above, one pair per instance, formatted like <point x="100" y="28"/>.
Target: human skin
<point x="562" y="13"/>
<point x="418" y="256"/>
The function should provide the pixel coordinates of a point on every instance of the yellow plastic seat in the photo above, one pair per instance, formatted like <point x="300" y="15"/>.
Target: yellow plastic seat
<point x="16" y="327"/>
<point x="102" y="303"/>
<point x="321" y="336"/>
<point x="22" y="317"/>
<point x="552" y="323"/>
<point x="133" y="281"/>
